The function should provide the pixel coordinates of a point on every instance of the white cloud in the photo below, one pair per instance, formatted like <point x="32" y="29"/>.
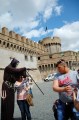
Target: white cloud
<point x="50" y="8"/>
<point x="6" y="17"/>
<point x="69" y="35"/>
<point x="4" y="4"/>
<point x="24" y="14"/>
<point x="58" y="10"/>
<point x="33" y="33"/>
<point x="27" y="15"/>
<point x="47" y="13"/>
<point x="37" y="33"/>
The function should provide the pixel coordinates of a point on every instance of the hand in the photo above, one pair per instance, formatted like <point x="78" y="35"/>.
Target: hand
<point x="24" y="68"/>
<point x="68" y="89"/>
<point x="74" y="96"/>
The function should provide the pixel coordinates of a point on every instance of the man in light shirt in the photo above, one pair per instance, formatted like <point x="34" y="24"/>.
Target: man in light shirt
<point x="64" y="83"/>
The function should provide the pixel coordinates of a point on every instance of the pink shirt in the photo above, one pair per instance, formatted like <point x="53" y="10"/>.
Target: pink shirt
<point x="21" y="89"/>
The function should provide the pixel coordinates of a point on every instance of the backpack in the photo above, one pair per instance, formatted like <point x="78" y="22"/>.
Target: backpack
<point x="54" y="108"/>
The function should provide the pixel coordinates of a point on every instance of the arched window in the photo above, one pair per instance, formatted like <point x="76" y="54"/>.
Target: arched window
<point x="0" y="41"/>
<point x="11" y="45"/>
<point x="14" y="46"/>
<point x="26" y="57"/>
<point x="31" y="58"/>
<point x="8" y="45"/>
<point x="4" y="43"/>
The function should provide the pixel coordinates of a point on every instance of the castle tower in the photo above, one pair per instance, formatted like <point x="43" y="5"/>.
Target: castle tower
<point x="53" y="45"/>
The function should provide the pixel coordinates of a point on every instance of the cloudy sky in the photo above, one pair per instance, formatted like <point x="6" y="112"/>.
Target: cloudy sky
<point x="30" y="18"/>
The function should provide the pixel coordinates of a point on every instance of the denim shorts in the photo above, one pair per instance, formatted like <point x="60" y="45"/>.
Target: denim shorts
<point x="66" y="111"/>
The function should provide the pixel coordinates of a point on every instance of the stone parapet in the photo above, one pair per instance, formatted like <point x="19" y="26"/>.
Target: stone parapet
<point x="12" y="34"/>
<point x="5" y="31"/>
<point x="18" y="41"/>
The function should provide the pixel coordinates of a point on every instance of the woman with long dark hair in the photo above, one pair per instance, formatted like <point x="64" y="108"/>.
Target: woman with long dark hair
<point x="22" y="87"/>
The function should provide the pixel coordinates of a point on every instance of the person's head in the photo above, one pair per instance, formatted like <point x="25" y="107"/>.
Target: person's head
<point x="62" y="66"/>
<point x="20" y="79"/>
<point x="78" y="71"/>
<point x="14" y="62"/>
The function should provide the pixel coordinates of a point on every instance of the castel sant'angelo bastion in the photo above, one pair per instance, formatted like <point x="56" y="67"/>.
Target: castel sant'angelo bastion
<point x="41" y="56"/>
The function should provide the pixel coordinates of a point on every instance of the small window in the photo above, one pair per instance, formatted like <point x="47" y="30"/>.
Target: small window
<point x="38" y="58"/>
<point x="50" y="56"/>
<point x="26" y="57"/>
<point x="3" y="43"/>
<point x="14" y="46"/>
<point x="31" y="58"/>
<point x="7" y="44"/>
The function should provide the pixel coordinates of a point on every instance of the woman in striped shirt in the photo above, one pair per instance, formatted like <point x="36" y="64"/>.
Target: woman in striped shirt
<point x="22" y="87"/>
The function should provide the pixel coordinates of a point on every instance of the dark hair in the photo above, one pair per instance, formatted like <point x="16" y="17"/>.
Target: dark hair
<point x="78" y="70"/>
<point x="61" y="61"/>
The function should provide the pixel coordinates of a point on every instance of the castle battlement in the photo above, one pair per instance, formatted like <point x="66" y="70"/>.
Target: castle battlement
<point x="41" y="56"/>
<point x="14" y="41"/>
<point x="5" y="31"/>
<point x="12" y="34"/>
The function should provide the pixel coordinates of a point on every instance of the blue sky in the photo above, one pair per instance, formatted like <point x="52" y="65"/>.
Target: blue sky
<point x="29" y="18"/>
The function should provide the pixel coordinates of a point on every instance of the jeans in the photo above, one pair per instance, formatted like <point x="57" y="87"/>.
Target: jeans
<point x="24" y="108"/>
<point x="66" y="111"/>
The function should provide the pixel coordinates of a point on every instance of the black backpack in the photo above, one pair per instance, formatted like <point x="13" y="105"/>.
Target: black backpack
<point x="54" y="108"/>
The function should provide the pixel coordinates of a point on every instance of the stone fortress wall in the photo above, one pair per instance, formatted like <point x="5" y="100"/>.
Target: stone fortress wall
<point x="53" y="45"/>
<point x="41" y="56"/>
<point x="18" y="43"/>
<point x="25" y="50"/>
<point x="47" y="62"/>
